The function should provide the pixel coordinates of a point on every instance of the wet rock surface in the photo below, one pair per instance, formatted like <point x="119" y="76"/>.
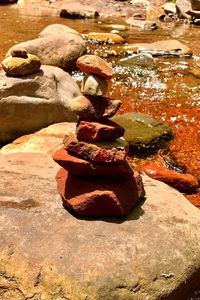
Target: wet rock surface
<point x="143" y="131"/>
<point x="38" y="237"/>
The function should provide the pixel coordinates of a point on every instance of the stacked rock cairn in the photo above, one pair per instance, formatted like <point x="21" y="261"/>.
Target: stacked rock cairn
<point x="20" y="63"/>
<point x="95" y="178"/>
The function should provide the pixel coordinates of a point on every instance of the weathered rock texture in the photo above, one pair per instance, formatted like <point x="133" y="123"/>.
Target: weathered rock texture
<point x="59" y="50"/>
<point x="35" y="101"/>
<point x="46" y="253"/>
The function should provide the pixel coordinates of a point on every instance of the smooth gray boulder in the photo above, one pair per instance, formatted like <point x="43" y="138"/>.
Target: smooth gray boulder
<point x="60" y="50"/>
<point x="29" y="103"/>
<point x="46" y="253"/>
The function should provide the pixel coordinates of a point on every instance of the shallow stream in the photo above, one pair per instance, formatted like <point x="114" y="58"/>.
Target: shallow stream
<point x="170" y="92"/>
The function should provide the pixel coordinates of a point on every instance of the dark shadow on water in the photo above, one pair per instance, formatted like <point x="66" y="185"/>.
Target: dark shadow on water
<point x="135" y="214"/>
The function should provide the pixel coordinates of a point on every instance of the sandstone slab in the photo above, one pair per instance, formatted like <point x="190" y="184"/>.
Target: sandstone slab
<point x="99" y="197"/>
<point x="105" y="151"/>
<point x="93" y="64"/>
<point x="20" y="66"/>
<point x="97" y="131"/>
<point x="94" y="108"/>
<point x="79" y="166"/>
<point x="35" y="101"/>
<point x="45" y="252"/>
<point x="46" y="140"/>
<point x="180" y="181"/>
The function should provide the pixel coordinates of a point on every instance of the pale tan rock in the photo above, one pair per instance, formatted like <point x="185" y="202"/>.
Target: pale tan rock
<point x="94" y="85"/>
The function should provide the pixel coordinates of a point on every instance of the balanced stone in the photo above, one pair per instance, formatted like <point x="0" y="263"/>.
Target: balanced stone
<point x="94" y="85"/>
<point x="80" y="166"/>
<point x="19" y="66"/>
<point x="97" y="131"/>
<point x="19" y="52"/>
<point x="107" y="152"/>
<point x="93" y="64"/>
<point x="99" y="196"/>
<point x="91" y="107"/>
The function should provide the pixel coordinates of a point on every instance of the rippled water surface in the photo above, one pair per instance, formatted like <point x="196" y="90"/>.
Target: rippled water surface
<point x="170" y="92"/>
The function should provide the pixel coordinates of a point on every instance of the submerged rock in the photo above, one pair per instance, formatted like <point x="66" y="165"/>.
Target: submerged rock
<point x="153" y="253"/>
<point x="35" y="101"/>
<point x="143" y="131"/>
<point x="142" y="60"/>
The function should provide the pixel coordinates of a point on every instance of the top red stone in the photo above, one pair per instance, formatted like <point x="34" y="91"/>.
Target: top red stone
<point x="93" y="64"/>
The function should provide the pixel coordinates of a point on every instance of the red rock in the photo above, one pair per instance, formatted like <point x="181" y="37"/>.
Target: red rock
<point x="107" y="152"/>
<point x="93" y="64"/>
<point x="182" y="182"/>
<point x="93" y="107"/>
<point x="99" y="197"/>
<point x="80" y="166"/>
<point x="94" y="131"/>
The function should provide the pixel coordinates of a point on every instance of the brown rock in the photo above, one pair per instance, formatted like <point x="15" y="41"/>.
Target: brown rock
<point x="103" y="37"/>
<point x="98" y="196"/>
<point x="19" y="52"/>
<point x="94" y="131"/>
<point x="78" y="11"/>
<point x="92" y="107"/>
<point x="80" y="166"/>
<point x="93" y="64"/>
<point x="107" y="152"/>
<point x="182" y="182"/>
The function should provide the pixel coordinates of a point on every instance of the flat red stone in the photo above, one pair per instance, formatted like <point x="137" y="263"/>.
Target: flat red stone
<point x="99" y="197"/>
<point x="93" y="64"/>
<point x="106" y="152"/>
<point x="79" y="166"/>
<point x="93" y="107"/>
<point x="97" y="131"/>
<point x="180" y="181"/>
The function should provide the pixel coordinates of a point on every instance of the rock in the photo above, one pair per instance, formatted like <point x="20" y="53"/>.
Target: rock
<point x="8" y="1"/>
<point x="93" y="64"/>
<point x="143" y="131"/>
<point x="56" y="29"/>
<point x="77" y="11"/>
<point x="94" y="108"/>
<point x="19" y="52"/>
<point x="141" y="59"/>
<point x="169" y="8"/>
<point x="46" y="140"/>
<point x="154" y="12"/>
<point x="146" y="25"/>
<point x="182" y="182"/>
<point x="32" y="102"/>
<point x="94" y="131"/>
<point x="79" y="166"/>
<point x="99" y="197"/>
<point x="183" y="7"/>
<point x="103" y="37"/>
<point x="165" y="47"/>
<point x="94" y="85"/>
<point x="106" y="152"/>
<point x="153" y="253"/>
<point x="19" y="66"/>
<point x="60" y="50"/>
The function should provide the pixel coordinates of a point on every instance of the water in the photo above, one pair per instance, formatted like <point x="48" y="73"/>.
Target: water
<point x="170" y="92"/>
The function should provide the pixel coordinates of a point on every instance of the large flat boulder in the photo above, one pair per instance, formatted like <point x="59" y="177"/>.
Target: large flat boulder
<point x="46" y="253"/>
<point x="29" y="103"/>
